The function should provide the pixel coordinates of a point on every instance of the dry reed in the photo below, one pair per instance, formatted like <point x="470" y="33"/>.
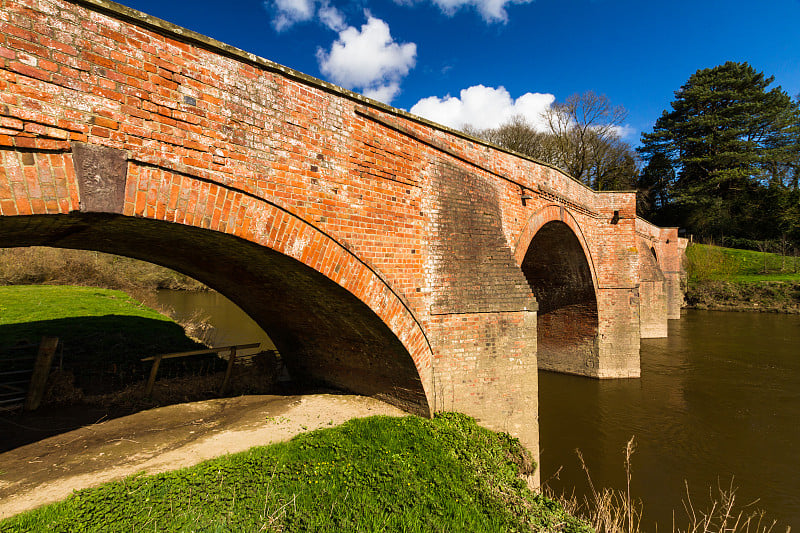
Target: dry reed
<point x="610" y="510"/>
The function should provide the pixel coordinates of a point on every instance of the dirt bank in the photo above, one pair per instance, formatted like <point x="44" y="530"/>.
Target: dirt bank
<point x="166" y="438"/>
<point x="764" y="296"/>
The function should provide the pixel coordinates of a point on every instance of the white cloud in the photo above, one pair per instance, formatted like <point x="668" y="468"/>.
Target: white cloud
<point x="290" y="12"/>
<point x="368" y="60"/>
<point x="490" y="10"/>
<point x="484" y="107"/>
<point x="331" y="17"/>
<point x="287" y="13"/>
<point x="626" y="132"/>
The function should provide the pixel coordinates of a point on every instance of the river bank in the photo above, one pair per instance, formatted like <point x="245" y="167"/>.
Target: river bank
<point x="729" y="279"/>
<point x="381" y="473"/>
<point x="747" y="296"/>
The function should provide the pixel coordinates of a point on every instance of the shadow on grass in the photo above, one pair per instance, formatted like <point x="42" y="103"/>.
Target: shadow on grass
<point x="103" y="354"/>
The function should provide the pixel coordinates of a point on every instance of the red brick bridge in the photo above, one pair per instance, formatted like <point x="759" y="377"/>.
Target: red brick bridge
<point x="382" y="253"/>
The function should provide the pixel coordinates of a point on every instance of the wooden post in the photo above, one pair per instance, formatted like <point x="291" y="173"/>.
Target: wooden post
<point x="151" y="381"/>
<point x="228" y="371"/>
<point x="41" y="370"/>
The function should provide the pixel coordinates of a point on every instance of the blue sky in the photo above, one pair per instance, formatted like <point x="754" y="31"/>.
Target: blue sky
<point x="508" y="56"/>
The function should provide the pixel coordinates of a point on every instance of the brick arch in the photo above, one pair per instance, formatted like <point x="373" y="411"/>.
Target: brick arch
<point x="555" y="260"/>
<point x="649" y="266"/>
<point x="652" y="293"/>
<point x="550" y="213"/>
<point x="165" y="211"/>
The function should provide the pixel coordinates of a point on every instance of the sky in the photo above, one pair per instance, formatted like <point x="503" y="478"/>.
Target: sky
<point x="480" y="62"/>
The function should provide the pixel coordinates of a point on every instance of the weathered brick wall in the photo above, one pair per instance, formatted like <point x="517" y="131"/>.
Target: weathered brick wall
<point x="669" y="250"/>
<point x="381" y="251"/>
<point x="652" y="294"/>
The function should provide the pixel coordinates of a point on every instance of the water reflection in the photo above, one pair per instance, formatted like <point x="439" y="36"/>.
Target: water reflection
<point x="231" y="324"/>
<point x="718" y="399"/>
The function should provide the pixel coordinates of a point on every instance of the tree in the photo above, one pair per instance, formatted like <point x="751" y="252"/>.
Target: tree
<point x="520" y="136"/>
<point x="653" y="188"/>
<point x="729" y="140"/>
<point x="584" y="129"/>
<point x="580" y="136"/>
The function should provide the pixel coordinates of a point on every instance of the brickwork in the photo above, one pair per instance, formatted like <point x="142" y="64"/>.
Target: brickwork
<point x="652" y="294"/>
<point x="383" y="253"/>
<point x="668" y="250"/>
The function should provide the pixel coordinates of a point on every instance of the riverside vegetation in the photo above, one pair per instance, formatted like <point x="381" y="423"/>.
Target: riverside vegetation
<point x="729" y="279"/>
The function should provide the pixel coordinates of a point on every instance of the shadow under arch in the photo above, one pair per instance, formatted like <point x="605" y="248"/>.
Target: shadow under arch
<point x="553" y="255"/>
<point x="325" y="330"/>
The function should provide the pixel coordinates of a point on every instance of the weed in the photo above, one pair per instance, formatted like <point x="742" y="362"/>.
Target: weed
<point x="610" y="510"/>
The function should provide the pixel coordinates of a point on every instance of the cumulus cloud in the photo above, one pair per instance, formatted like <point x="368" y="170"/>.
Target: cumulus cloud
<point x="331" y="17"/>
<point x="368" y="60"/>
<point x="484" y="107"/>
<point x="626" y="132"/>
<point x="490" y="10"/>
<point x="290" y="12"/>
<point x="287" y="13"/>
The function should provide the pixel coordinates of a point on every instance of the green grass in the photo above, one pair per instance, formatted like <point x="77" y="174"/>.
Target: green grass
<point x="31" y="303"/>
<point x="374" y="474"/>
<point x="104" y="332"/>
<point x="706" y="262"/>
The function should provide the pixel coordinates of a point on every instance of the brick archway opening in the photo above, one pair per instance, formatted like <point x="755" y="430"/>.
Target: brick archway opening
<point x="557" y="270"/>
<point x="325" y="334"/>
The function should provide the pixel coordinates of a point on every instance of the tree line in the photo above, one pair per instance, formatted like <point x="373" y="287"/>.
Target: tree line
<point x="723" y="162"/>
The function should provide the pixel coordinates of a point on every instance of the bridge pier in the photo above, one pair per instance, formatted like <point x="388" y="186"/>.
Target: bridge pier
<point x="652" y="294"/>
<point x="618" y="334"/>
<point x="485" y="366"/>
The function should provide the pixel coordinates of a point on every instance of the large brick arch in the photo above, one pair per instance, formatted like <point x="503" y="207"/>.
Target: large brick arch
<point x="330" y="313"/>
<point x="558" y="266"/>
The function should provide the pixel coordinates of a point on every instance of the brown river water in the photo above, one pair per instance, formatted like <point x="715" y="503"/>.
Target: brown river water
<point x="718" y="403"/>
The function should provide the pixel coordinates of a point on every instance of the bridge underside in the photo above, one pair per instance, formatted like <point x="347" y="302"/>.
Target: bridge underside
<point x="324" y="333"/>
<point x="558" y="272"/>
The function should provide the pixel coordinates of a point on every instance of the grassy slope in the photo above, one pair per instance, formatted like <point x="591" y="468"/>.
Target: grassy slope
<point x="373" y="474"/>
<point x="730" y="264"/>
<point x="32" y="303"/>
<point x="101" y="330"/>
<point x="731" y="279"/>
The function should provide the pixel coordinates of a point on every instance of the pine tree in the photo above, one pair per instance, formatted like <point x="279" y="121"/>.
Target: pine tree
<point x="728" y="138"/>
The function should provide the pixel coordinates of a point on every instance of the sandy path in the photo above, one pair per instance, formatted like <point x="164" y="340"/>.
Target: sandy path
<point x="167" y="438"/>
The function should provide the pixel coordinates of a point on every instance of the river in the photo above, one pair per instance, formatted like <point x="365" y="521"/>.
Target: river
<point x="718" y="402"/>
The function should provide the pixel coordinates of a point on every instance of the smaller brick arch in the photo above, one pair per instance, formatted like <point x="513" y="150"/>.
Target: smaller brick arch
<point x="541" y="217"/>
<point x="555" y="260"/>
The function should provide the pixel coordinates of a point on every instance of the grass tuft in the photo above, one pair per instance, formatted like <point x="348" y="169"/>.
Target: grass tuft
<point x="611" y="510"/>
